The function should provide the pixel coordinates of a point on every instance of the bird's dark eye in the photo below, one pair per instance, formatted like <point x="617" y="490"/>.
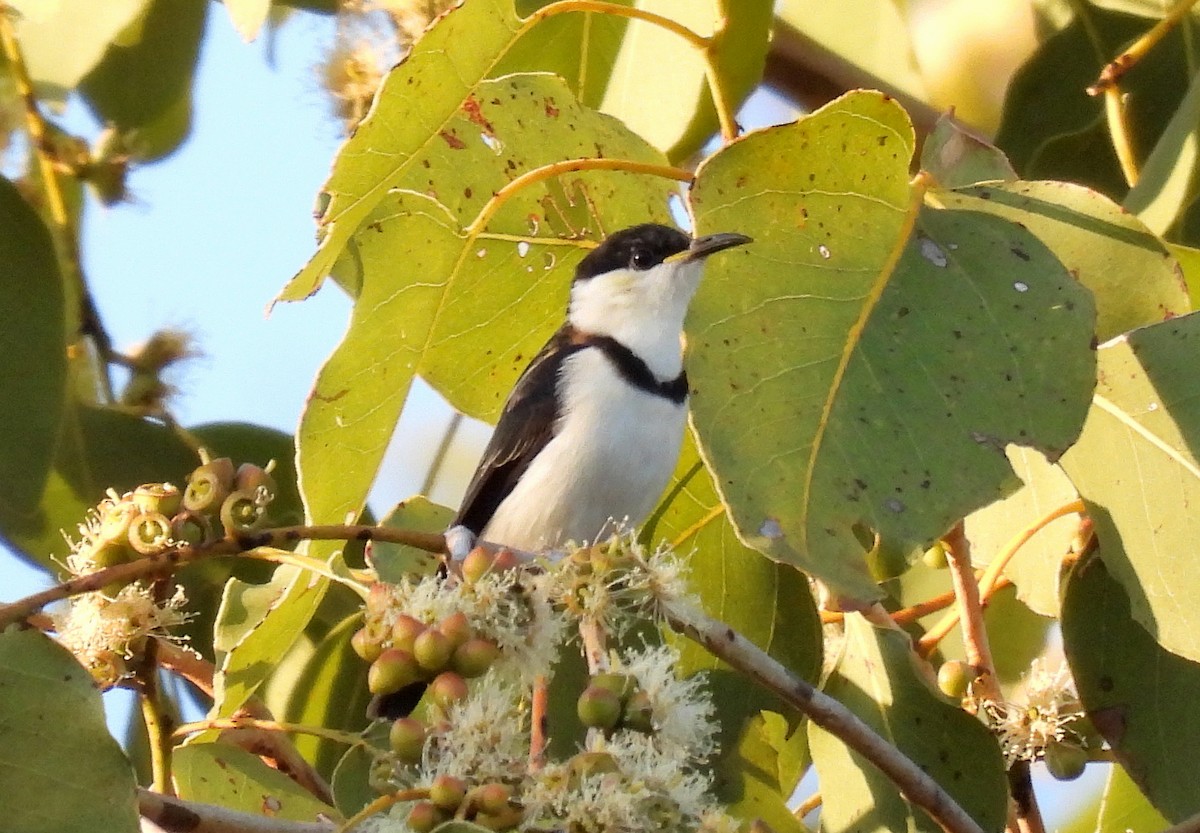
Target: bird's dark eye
<point x="641" y="259"/>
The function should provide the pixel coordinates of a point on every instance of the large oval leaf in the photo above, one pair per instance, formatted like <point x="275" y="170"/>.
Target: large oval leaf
<point x="875" y="678"/>
<point x="1140" y="697"/>
<point x="466" y="311"/>
<point x="1137" y="468"/>
<point x="848" y="376"/>
<point x="60" y="769"/>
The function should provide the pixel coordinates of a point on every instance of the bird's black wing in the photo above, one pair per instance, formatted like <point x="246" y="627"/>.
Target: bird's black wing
<point x="526" y="425"/>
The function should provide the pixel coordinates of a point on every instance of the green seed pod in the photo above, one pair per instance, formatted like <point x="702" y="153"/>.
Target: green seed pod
<point x="492" y="798"/>
<point x="456" y="627"/>
<point x="366" y="643"/>
<point x="423" y="817"/>
<point x="405" y="631"/>
<point x="587" y="764"/>
<point x="191" y="528"/>
<point x="447" y="792"/>
<point x="209" y="485"/>
<point x="935" y="557"/>
<point x="149" y="533"/>
<point x="105" y="554"/>
<point x="621" y="685"/>
<point x="474" y="657"/>
<point x="158" y="497"/>
<point x="954" y="678"/>
<point x="598" y="708"/>
<point x="241" y="512"/>
<point x="407" y="737"/>
<point x="506" y="819"/>
<point x="115" y="519"/>
<point x="447" y="688"/>
<point x="391" y="671"/>
<point x="476" y="565"/>
<point x="250" y="478"/>
<point x="379" y="598"/>
<point x="638" y="714"/>
<point x="1065" y="761"/>
<point x="432" y="650"/>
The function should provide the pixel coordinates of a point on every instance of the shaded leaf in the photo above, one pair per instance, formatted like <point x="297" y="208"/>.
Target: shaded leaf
<point x="467" y="311"/>
<point x="32" y="305"/>
<point x="1138" y="695"/>
<point x="766" y="602"/>
<point x="138" y="85"/>
<point x="821" y="385"/>
<point x="1169" y="180"/>
<point x="1123" y="808"/>
<point x="58" y="51"/>
<point x="217" y="773"/>
<point x="60" y="769"/>
<point x="875" y="677"/>
<point x="351" y="777"/>
<point x="1036" y="566"/>
<point x="1136" y="467"/>
<point x="394" y="562"/>
<point x="955" y="157"/>
<point x="1098" y="242"/>
<point x="248" y="16"/>
<point x="98" y="448"/>
<point x="1052" y="129"/>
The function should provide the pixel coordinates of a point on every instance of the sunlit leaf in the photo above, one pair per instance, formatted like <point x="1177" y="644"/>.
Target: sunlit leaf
<point x="956" y="157"/>
<point x="1169" y="180"/>
<point x="217" y="773"/>
<point x="31" y="409"/>
<point x="1138" y="695"/>
<point x="1136" y="467"/>
<point x="1124" y="809"/>
<point x="865" y="378"/>
<point x="875" y="677"/>
<point x="394" y="562"/>
<point x="60" y="769"/>
<point x="465" y="311"/>
<point x="57" y="49"/>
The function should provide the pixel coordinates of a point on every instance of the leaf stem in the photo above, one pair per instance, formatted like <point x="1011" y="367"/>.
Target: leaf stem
<point x="348" y="738"/>
<point x="568" y="166"/>
<point x="177" y="815"/>
<point x="914" y="784"/>
<point x="706" y="46"/>
<point x="1115" y="69"/>
<point x="158" y="737"/>
<point x="379" y="805"/>
<point x="305" y="562"/>
<point x="1119" y="133"/>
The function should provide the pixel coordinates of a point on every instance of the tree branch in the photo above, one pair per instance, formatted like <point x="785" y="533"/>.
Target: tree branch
<point x="914" y="784"/>
<point x="177" y="815"/>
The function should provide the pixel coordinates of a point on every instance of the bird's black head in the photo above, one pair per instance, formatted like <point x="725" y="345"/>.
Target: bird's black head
<point x="638" y="247"/>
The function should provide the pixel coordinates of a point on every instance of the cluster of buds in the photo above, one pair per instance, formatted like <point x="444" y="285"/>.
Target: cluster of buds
<point x="219" y="497"/>
<point x="615" y="701"/>
<point x="488" y="805"/>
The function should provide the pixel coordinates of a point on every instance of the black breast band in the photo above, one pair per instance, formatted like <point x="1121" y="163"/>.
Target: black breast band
<point x="633" y="369"/>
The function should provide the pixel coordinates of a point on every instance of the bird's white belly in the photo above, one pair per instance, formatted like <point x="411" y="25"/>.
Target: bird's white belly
<point x="612" y="456"/>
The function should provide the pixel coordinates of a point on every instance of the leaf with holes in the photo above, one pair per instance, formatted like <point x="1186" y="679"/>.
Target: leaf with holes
<point x="859" y="368"/>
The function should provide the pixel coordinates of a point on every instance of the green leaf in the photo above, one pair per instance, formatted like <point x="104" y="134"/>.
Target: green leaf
<point x="59" y="47"/>
<point x="766" y="602"/>
<point x="876" y="678"/>
<point x="329" y="690"/>
<point x="820" y="384"/>
<point x="33" y="356"/>
<point x="1136" y="467"/>
<point x="217" y="773"/>
<point x="1189" y="264"/>
<point x="256" y="625"/>
<point x="99" y="448"/>
<point x="394" y="562"/>
<point x="139" y="85"/>
<point x="671" y="106"/>
<point x="1168" y="183"/>
<point x="467" y="311"/>
<point x="1052" y="129"/>
<point x="351" y="778"/>
<point x="957" y="158"/>
<point x="1036" y="566"/>
<point x="1124" y="809"/>
<point x="1098" y="242"/>
<point x="1138" y="695"/>
<point x="60" y="769"/>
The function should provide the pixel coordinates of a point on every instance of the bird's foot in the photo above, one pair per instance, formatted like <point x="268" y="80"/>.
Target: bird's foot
<point x="459" y="542"/>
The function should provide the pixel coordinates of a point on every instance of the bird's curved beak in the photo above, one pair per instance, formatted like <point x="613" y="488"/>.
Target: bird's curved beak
<point x="702" y="247"/>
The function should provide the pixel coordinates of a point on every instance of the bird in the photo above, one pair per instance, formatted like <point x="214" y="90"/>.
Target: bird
<point x="592" y="430"/>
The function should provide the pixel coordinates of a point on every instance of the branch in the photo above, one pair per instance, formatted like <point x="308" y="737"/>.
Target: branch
<point x="914" y="784"/>
<point x="177" y="815"/>
<point x="1112" y="73"/>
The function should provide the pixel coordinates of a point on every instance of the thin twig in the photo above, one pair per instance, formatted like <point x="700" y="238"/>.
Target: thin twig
<point x="1120" y="134"/>
<point x="970" y="613"/>
<point x="176" y="815"/>
<point x="1111" y="75"/>
<point x="225" y="723"/>
<point x="539" y="726"/>
<point x="379" y="805"/>
<point x="808" y="805"/>
<point x="914" y="784"/>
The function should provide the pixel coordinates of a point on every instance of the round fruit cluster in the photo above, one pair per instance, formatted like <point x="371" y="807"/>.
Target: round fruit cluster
<point x="157" y="516"/>
<point x="614" y="701"/>
<point x="445" y="654"/>
<point x="487" y="805"/>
